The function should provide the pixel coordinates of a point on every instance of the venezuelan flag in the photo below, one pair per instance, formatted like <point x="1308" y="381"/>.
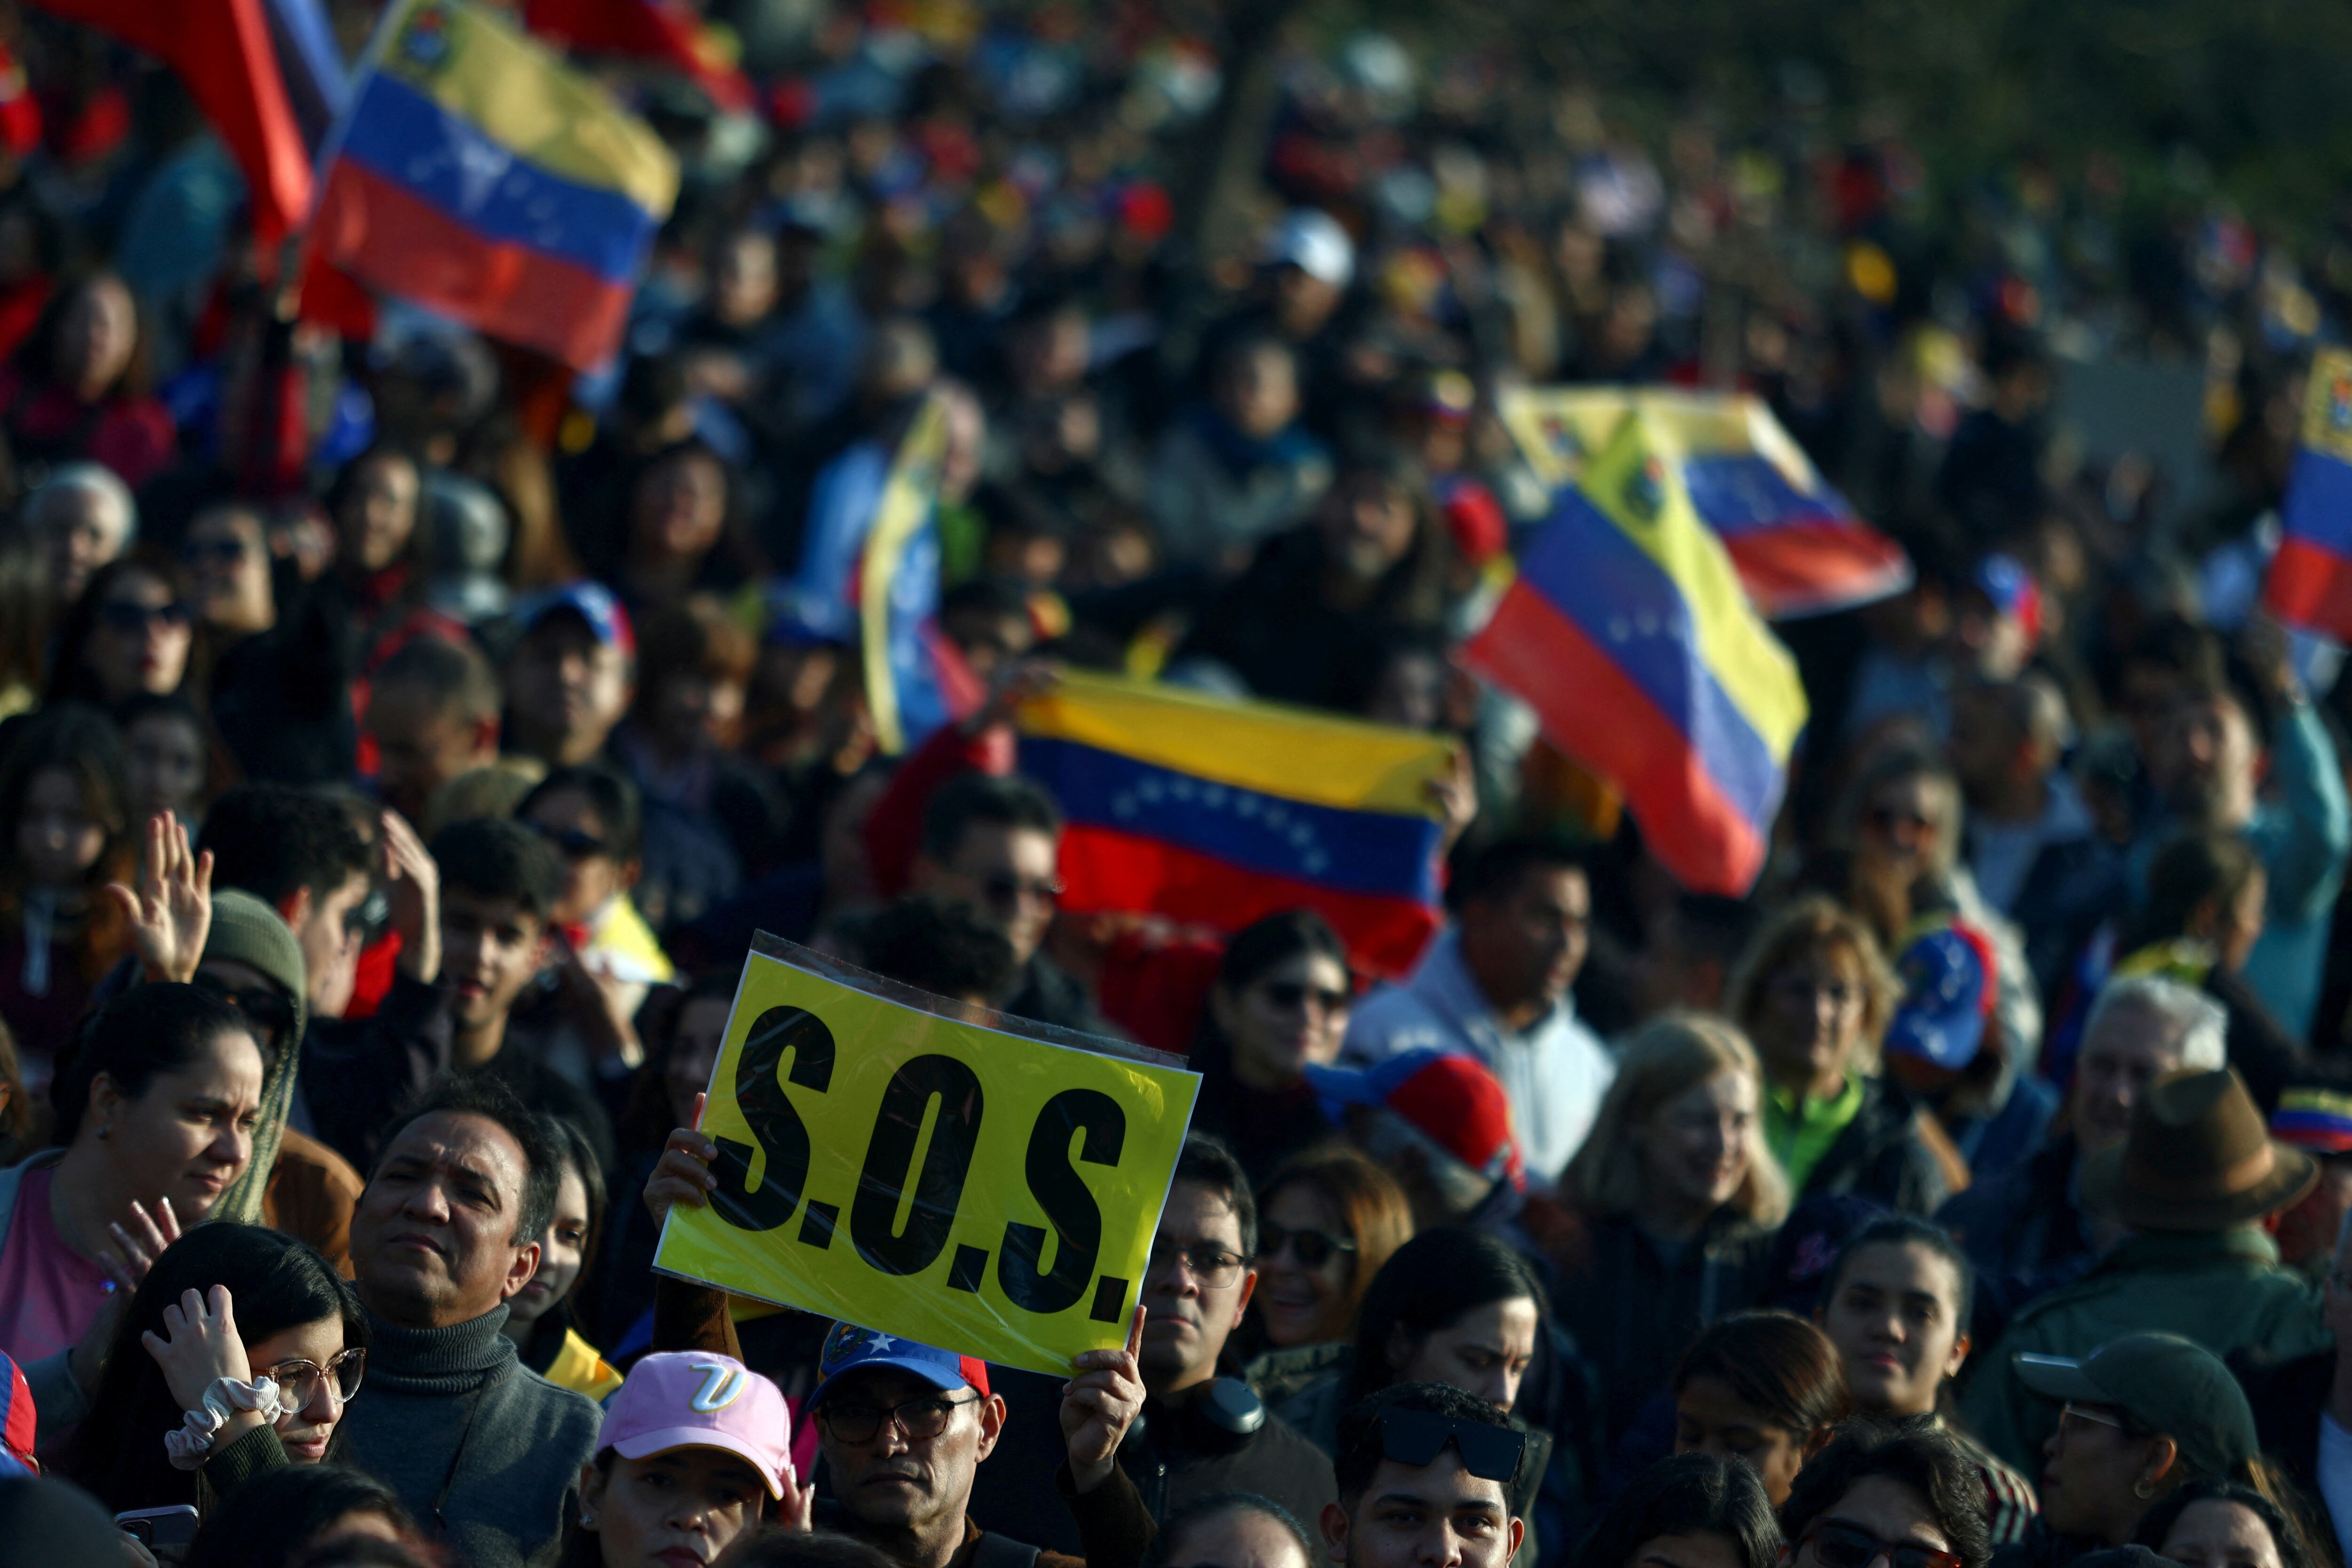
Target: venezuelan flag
<point x="1797" y="545"/>
<point x="1630" y="636"/>
<point x="477" y="176"/>
<point x="1221" y="813"/>
<point x="2310" y="581"/>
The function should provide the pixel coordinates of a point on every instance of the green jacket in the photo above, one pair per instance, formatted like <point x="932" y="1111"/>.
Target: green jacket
<point x="2225" y="1291"/>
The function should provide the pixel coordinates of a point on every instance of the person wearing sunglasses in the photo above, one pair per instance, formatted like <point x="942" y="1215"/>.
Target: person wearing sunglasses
<point x="1886" y="1497"/>
<point x="592" y="817"/>
<point x="1426" y="1475"/>
<point x="1329" y="1219"/>
<point x="225" y="1304"/>
<point x="1280" y="1004"/>
<point x="129" y="633"/>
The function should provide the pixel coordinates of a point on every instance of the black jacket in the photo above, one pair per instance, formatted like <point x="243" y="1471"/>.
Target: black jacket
<point x="1175" y="1456"/>
<point x="1052" y="994"/>
<point x="1879" y="1156"/>
<point x="2022" y="1232"/>
<point x="1261" y="1129"/>
<point x="357" y="1073"/>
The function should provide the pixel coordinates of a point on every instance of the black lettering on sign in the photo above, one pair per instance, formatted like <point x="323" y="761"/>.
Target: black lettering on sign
<point x="890" y="1155"/>
<point x="774" y="1124"/>
<point x="1054" y="1182"/>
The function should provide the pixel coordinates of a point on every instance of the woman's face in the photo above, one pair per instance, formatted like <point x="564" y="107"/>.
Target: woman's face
<point x="58" y="839"/>
<point x="1812" y="1018"/>
<point x="693" y="1052"/>
<point x="229" y="572"/>
<point x="305" y="1432"/>
<point x="95" y="336"/>
<point x="1696" y="1148"/>
<point x="1239" y="1538"/>
<point x="673" y="1510"/>
<point x="1899" y="824"/>
<point x="1289" y="1018"/>
<point x="2090" y="1468"/>
<point x="2213" y="1533"/>
<point x="1895" y="1319"/>
<point x="378" y="516"/>
<point x="681" y="505"/>
<point x="1709" y="1418"/>
<point x="189" y="1134"/>
<point x="166" y="770"/>
<point x="1701" y="1549"/>
<point x="139" y="641"/>
<point x="592" y="878"/>
<point x="1484" y="1351"/>
<point x="562" y="1252"/>
<point x="1367" y="526"/>
<point x="1296" y="1299"/>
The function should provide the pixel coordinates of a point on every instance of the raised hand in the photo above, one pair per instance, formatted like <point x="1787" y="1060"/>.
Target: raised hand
<point x="199" y="1345"/>
<point x="682" y="1174"/>
<point x="172" y="912"/>
<point x="415" y="893"/>
<point x="135" y="1248"/>
<point x="1100" y="1403"/>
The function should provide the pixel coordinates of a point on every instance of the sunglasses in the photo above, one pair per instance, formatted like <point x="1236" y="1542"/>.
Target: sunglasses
<point x="1490" y="1453"/>
<point x="1289" y="994"/>
<point x="130" y="617"/>
<point x="1314" y="1249"/>
<point x="1840" y="1545"/>
<point x="921" y="1419"/>
<point x="266" y="1010"/>
<point x="219" y="551"/>
<point x="573" y="844"/>
<point x="299" y="1380"/>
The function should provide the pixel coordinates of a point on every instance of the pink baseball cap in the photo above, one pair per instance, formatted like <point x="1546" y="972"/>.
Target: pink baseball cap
<point x="687" y="1399"/>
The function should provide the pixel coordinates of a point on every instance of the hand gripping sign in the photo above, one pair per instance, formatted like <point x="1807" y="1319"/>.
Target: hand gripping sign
<point x="982" y="1189"/>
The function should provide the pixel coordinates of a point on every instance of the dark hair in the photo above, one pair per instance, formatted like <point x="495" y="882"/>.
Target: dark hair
<point x="455" y="675"/>
<point x="1686" y="1494"/>
<point x="574" y="1151"/>
<point x="146" y="1032"/>
<point x="70" y="680"/>
<point x="2297" y="1548"/>
<point x="1202" y="1509"/>
<point x="1274" y="941"/>
<point x="647" y="1120"/>
<point x="280" y="1513"/>
<point x="2186" y="872"/>
<point x="274" y="840"/>
<point x="81" y="742"/>
<point x="1920" y="1456"/>
<point x="1206" y="1161"/>
<point x="1359" y="1454"/>
<point x="371" y="1551"/>
<point x="1374" y="1211"/>
<point x="499" y="857"/>
<point x="1776" y="1364"/>
<point x="415" y="553"/>
<point x="1494" y="874"/>
<point x="1907" y="1230"/>
<point x="971" y="799"/>
<point x="1429" y="1282"/>
<point x="938" y="945"/>
<point x="695" y="637"/>
<point x="275" y="1283"/>
<point x="487" y="1098"/>
<point x="777" y="1547"/>
<point x="39" y="356"/>
<point x="610" y="793"/>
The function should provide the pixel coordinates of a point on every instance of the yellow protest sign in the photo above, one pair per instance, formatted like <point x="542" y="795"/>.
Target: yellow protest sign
<point x="981" y="1191"/>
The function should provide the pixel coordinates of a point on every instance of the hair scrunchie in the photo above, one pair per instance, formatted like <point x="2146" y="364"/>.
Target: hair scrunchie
<point x="187" y="1443"/>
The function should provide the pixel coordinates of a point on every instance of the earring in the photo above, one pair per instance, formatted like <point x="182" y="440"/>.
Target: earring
<point x="103" y="1132"/>
<point x="587" y="1520"/>
<point x="2142" y="1489"/>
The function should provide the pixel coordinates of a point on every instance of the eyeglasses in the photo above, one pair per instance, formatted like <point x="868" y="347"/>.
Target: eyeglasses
<point x="2071" y="1413"/>
<point x="1839" y="1545"/>
<point x="1313" y="1248"/>
<point x="1213" y="1265"/>
<point x="571" y="843"/>
<point x="1289" y="994"/>
<point x="1001" y="890"/>
<point x="297" y="1381"/>
<point x="266" y="1010"/>
<point x="921" y="1419"/>
<point x="130" y="617"/>
<point x="1490" y="1453"/>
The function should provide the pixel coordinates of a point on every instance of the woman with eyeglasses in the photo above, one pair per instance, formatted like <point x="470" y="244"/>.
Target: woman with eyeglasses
<point x="128" y="635"/>
<point x="1814" y="996"/>
<point x="1327" y="1220"/>
<point x="1676" y="1202"/>
<point x="238" y="1353"/>
<point x="1280" y="1005"/>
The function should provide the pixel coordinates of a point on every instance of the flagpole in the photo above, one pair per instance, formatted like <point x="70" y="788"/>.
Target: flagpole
<point x="331" y="145"/>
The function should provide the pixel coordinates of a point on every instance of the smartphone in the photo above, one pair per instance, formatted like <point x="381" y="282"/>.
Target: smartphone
<point x="153" y="1527"/>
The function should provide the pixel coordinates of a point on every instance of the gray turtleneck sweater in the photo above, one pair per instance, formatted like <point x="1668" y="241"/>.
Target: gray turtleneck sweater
<point x="470" y="1438"/>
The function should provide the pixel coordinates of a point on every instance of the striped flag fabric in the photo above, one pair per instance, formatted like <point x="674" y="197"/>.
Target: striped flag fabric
<point x="2310" y="582"/>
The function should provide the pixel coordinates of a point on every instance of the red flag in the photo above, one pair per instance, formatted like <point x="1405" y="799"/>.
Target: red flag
<point x="665" y="30"/>
<point x="220" y="48"/>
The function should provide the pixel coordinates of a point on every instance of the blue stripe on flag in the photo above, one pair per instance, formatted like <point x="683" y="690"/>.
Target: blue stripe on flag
<point x="402" y="136"/>
<point x="2318" y="504"/>
<point x="1354" y="851"/>
<point x="1737" y="492"/>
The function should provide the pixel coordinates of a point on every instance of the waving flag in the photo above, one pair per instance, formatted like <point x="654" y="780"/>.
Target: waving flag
<point x="1220" y="813"/>
<point x="1796" y="546"/>
<point x="2310" y="581"/>
<point x="479" y="176"/>
<point x="1628" y="633"/>
<point x="665" y="31"/>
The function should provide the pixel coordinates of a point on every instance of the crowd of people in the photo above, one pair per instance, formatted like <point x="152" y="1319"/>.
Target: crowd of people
<point x="402" y="742"/>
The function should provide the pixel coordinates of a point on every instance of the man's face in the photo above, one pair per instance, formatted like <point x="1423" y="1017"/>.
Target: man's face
<point x="2131" y="1047"/>
<point x="568" y="689"/>
<point x="433" y="1236"/>
<point x="896" y="1479"/>
<point x="1008" y="874"/>
<point x="1528" y="945"/>
<point x="490" y="948"/>
<point x="1436" y="1515"/>
<point x="330" y="940"/>
<point x="1879" y="1507"/>
<point x="1196" y="1286"/>
<point x="422" y="744"/>
<point x="2203" y="760"/>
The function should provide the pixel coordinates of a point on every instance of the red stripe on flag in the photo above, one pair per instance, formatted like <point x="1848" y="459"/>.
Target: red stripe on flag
<point x="2310" y="588"/>
<point x="1593" y="712"/>
<point x="1812" y="568"/>
<point x="381" y="233"/>
<point x="1105" y="870"/>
